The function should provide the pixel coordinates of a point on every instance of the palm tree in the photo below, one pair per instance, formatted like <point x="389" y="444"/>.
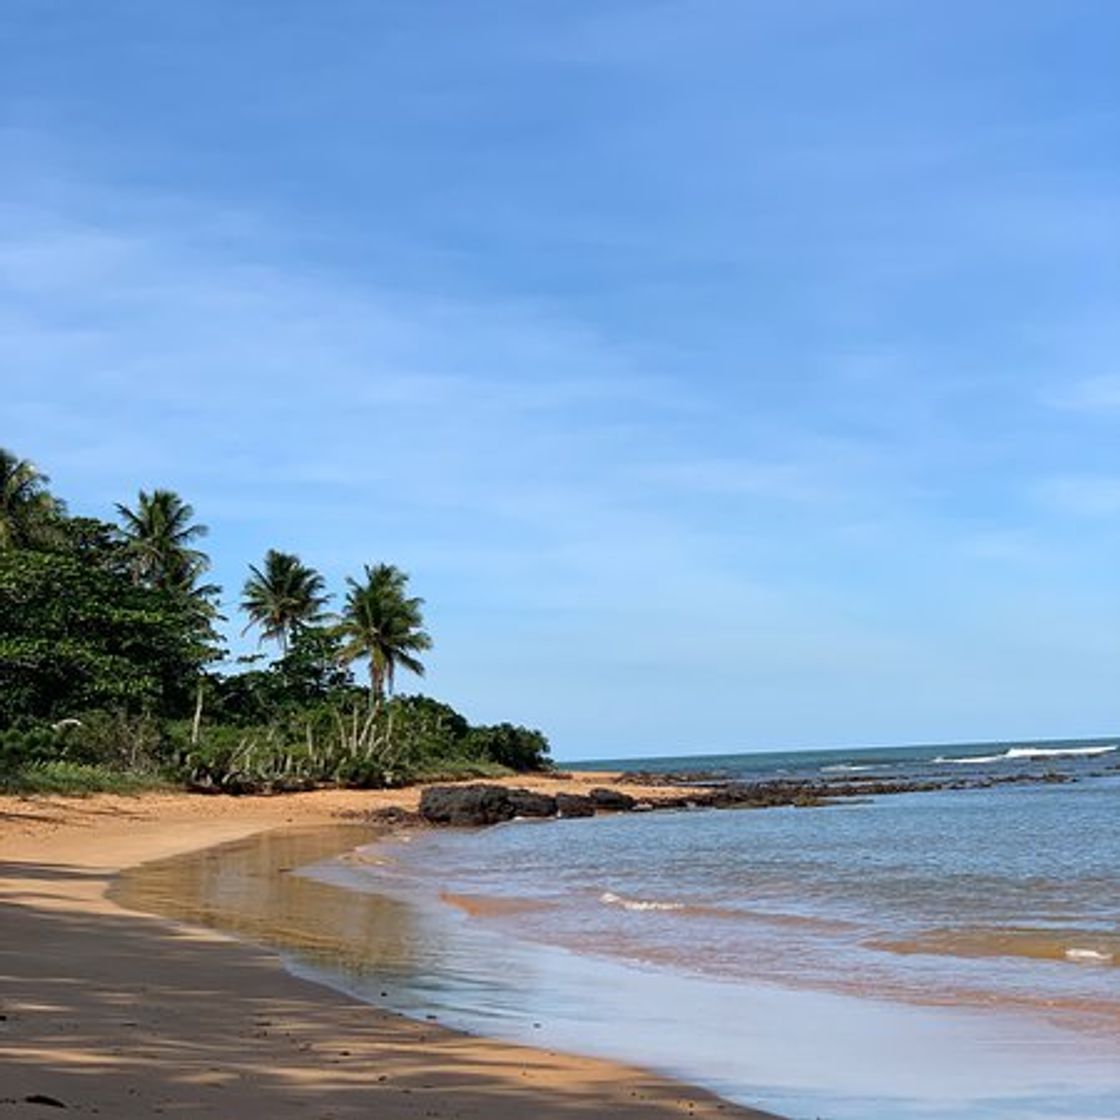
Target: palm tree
<point x="29" y="514"/>
<point x="282" y="598"/>
<point x="158" y="535"/>
<point x="382" y="623"/>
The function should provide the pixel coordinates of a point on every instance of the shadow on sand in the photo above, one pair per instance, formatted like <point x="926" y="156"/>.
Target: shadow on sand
<point x="131" y="1016"/>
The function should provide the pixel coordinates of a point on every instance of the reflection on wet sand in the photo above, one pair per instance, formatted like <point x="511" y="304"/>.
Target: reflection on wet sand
<point x="448" y="956"/>
<point x="247" y="888"/>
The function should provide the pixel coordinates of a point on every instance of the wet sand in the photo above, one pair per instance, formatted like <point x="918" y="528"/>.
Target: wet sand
<point x="114" y="1012"/>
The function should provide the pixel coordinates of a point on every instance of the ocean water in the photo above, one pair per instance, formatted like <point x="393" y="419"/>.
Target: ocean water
<point x="937" y="955"/>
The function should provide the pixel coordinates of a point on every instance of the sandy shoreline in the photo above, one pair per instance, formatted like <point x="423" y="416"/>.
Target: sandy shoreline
<point x="119" y="1013"/>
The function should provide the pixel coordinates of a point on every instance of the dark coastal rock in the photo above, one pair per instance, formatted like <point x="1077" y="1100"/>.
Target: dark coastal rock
<point x="528" y="804"/>
<point x="611" y="800"/>
<point x="479" y="804"/>
<point x="574" y="805"/>
<point x="811" y="792"/>
<point x="466" y="805"/>
<point x="485" y="804"/>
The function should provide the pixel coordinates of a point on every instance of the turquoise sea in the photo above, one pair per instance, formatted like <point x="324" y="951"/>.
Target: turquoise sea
<point x="937" y="955"/>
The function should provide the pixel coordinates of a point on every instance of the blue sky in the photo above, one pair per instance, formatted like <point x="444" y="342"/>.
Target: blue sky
<point x="727" y="374"/>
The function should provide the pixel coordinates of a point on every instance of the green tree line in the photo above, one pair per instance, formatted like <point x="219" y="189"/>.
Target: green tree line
<point x="113" y="671"/>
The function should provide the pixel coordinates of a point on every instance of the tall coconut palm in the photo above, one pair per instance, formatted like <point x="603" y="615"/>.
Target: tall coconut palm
<point x="29" y="514"/>
<point x="158" y="536"/>
<point x="286" y="595"/>
<point x="381" y="623"/>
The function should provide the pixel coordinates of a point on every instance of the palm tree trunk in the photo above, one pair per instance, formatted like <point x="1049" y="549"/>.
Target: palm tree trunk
<point x="196" y="723"/>
<point x="377" y="685"/>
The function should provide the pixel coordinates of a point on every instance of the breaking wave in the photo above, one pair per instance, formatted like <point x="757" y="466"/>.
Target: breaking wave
<point x="612" y="899"/>
<point x="1089" y="956"/>
<point x="1026" y="754"/>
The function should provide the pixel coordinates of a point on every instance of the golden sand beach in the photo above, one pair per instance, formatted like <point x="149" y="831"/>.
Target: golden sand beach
<point x="111" y="1011"/>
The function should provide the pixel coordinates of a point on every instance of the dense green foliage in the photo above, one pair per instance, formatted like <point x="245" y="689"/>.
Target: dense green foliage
<point x="111" y="676"/>
<point x="310" y="674"/>
<point x="77" y="635"/>
<point x="517" y="748"/>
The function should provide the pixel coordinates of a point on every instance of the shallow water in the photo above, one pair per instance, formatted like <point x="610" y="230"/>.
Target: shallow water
<point x="917" y="956"/>
<point x="950" y="954"/>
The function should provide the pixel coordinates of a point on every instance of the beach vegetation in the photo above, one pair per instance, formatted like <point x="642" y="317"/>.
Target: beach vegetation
<point x="517" y="748"/>
<point x="29" y="513"/>
<point x="101" y="752"/>
<point x="282" y="597"/>
<point x="384" y="626"/>
<point x="159" y="535"/>
<point x="77" y="636"/>
<point x="74" y="779"/>
<point x="112" y="664"/>
<point x="340" y="742"/>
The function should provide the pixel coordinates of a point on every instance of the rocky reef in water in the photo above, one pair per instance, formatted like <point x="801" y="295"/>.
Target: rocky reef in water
<point x="486" y="803"/>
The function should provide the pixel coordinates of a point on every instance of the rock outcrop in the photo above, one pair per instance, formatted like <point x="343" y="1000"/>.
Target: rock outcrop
<point x="612" y="800"/>
<point x="482" y="804"/>
<point x="574" y="805"/>
<point x="526" y="803"/>
<point x="466" y="805"/>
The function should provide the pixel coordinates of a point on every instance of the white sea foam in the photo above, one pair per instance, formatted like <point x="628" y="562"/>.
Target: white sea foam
<point x="1055" y="752"/>
<point x="1089" y="956"/>
<point x="847" y="767"/>
<point x="1027" y="753"/>
<point x="612" y="899"/>
<point x="973" y="760"/>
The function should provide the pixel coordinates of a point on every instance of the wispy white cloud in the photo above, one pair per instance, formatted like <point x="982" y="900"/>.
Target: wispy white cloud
<point x="796" y="482"/>
<point x="1097" y="394"/>
<point x="703" y="372"/>
<point x="276" y="395"/>
<point x="1003" y="546"/>
<point x="524" y="466"/>
<point x="1082" y="495"/>
<point x="156" y="318"/>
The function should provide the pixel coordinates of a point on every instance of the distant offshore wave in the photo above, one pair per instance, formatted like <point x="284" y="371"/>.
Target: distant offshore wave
<point x="1028" y="753"/>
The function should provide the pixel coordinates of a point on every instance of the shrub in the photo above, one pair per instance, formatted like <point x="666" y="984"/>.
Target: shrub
<point x="519" y="748"/>
<point x="21" y="747"/>
<point x="73" y="778"/>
